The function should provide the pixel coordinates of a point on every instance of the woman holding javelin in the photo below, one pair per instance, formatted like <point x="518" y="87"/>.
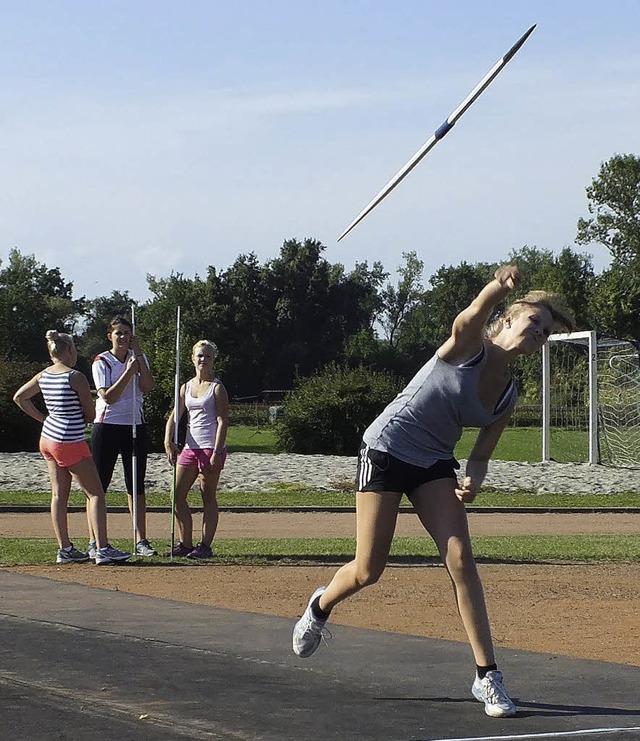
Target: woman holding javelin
<point x="114" y="374"/>
<point x="409" y="449"/>
<point x="206" y="402"/>
<point x="62" y="443"/>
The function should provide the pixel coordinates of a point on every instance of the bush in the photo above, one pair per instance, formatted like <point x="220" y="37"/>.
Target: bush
<point x="329" y="412"/>
<point x="18" y="432"/>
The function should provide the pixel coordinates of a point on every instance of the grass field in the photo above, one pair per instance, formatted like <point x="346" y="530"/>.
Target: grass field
<point x="291" y="495"/>
<point x="516" y="444"/>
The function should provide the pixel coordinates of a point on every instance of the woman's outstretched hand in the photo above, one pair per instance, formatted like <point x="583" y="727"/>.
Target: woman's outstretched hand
<point x="508" y="276"/>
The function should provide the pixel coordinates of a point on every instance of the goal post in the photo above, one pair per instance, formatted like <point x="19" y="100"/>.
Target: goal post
<point x="591" y="399"/>
<point x="582" y="338"/>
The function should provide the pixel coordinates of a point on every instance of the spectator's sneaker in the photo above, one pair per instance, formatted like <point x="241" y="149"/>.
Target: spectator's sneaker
<point x="92" y="550"/>
<point x="309" y="630"/>
<point x="201" y="551"/>
<point x="492" y="693"/>
<point x="73" y="555"/>
<point x="109" y="555"/>
<point x="180" y="551"/>
<point x="144" y="548"/>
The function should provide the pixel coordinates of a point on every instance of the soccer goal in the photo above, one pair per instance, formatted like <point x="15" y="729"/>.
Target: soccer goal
<point x="590" y="400"/>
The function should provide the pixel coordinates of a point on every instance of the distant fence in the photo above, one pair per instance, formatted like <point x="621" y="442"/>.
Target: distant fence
<point x="262" y="414"/>
<point x="254" y="414"/>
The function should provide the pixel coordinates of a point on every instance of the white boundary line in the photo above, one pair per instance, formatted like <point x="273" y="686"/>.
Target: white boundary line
<point x="559" y="734"/>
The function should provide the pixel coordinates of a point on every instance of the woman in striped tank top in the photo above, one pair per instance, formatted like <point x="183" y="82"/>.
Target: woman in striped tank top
<point x="206" y="402"/>
<point x="67" y="398"/>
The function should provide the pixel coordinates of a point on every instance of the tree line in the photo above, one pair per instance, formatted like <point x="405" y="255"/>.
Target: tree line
<point x="284" y="320"/>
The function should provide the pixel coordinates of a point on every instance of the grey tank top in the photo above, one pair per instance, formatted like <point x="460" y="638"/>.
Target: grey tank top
<point x="425" y="421"/>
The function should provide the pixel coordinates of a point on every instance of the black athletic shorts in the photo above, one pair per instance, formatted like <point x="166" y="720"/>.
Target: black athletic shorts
<point x="380" y="471"/>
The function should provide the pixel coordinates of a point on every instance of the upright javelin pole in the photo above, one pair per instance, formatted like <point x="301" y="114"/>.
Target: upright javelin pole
<point x="134" y="449"/>
<point x="441" y="131"/>
<point x="176" y="407"/>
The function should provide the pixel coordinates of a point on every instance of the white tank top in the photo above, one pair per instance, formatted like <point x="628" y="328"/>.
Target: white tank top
<point x="203" y="417"/>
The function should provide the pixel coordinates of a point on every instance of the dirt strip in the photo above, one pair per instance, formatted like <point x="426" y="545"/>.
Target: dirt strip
<point x="330" y="525"/>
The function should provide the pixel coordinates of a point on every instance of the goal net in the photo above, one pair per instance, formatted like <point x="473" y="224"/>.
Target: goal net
<point x="591" y="400"/>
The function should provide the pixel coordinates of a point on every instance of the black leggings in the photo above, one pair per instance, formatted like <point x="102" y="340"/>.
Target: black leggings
<point x="109" y="441"/>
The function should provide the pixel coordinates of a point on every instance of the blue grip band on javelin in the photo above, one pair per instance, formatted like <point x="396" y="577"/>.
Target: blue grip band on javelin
<point x="444" y="129"/>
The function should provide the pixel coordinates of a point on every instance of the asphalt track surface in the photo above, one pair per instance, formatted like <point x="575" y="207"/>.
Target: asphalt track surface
<point x="84" y="663"/>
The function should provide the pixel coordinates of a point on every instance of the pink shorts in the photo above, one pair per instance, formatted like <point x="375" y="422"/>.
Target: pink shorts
<point x="200" y="457"/>
<point x="64" y="454"/>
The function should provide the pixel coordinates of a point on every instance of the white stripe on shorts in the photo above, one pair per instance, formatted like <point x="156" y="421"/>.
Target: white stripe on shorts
<point x="366" y="468"/>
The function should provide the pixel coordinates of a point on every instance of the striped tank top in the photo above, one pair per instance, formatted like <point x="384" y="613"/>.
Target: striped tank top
<point x="65" y="423"/>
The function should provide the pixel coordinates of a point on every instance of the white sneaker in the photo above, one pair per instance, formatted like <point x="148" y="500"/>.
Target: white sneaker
<point x="109" y="554"/>
<point x="492" y="693"/>
<point x="144" y="548"/>
<point x="92" y="550"/>
<point x="308" y="631"/>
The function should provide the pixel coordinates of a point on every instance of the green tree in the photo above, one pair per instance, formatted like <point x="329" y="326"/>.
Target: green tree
<point x="399" y="301"/>
<point x="616" y="302"/>
<point x="33" y="299"/>
<point x="614" y="202"/>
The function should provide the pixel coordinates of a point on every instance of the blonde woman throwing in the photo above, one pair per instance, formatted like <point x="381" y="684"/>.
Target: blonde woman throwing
<point x="409" y="450"/>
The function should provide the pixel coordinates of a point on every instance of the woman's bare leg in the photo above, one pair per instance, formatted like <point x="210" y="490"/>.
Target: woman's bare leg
<point x="445" y="518"/>
<point x="376" y="515"/>
<point x="210" y="514"/>
<point x="60" y="488"/>
<point x="86" y="473"/>
<point x="185" y="478"/>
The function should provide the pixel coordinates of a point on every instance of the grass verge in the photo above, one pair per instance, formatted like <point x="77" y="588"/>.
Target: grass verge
<point x="494" y="549"/>
<point x="294" y="495"/>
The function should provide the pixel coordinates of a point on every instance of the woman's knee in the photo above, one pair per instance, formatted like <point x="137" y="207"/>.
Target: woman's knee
<point x="368" y="573"/>
<point x="460" y="562"/>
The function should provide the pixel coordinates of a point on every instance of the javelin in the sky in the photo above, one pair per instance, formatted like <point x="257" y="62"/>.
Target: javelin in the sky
<point x="444" y="129"/>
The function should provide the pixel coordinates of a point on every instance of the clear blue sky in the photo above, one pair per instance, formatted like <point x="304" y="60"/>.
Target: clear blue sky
<point x="154" y="136"/>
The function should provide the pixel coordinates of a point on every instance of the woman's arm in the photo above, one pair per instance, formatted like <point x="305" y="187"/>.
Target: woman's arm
<point x="80" y="385"/>
<point x="170" y="447"/>
<point x="478" y="461"/>
<point x="222" y="412"/>
<point x="23" y="396"/>
<point x="111" y="394"/>
<point x="467" y="333"/>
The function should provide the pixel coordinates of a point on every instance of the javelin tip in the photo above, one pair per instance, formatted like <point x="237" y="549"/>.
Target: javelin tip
<point x="516" y="47"/>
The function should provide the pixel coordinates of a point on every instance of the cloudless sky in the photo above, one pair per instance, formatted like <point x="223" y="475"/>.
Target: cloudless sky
<point x="148" y="137"/>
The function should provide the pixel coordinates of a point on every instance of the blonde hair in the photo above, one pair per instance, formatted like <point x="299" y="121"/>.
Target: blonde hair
<point x="554" y="303"/>
<point x="205" y="343"/>
<point x="57" y="342"/>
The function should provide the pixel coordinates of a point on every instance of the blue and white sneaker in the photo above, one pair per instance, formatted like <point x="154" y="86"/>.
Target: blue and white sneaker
<point x="109" y="555"/>
<point x="72" y="555"/>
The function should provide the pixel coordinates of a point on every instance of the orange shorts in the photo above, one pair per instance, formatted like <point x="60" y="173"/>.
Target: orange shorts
<point x="64" y="454"/>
